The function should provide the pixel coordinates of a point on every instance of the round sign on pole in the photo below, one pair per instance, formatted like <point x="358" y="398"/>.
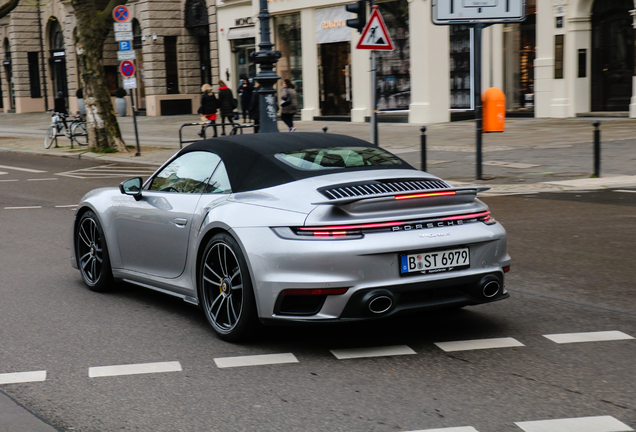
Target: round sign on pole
<point x="127" y="68"/>
<point x="121" y="14"/>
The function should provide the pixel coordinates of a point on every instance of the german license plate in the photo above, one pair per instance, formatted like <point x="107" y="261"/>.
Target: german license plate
<point x="435" y="262"/>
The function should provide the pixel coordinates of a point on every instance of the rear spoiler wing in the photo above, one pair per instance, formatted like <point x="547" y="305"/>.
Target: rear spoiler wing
<point x="463" y="192"/>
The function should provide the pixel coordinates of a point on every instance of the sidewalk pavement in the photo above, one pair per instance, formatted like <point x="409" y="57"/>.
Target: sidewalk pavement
<point x="532" y="155"/>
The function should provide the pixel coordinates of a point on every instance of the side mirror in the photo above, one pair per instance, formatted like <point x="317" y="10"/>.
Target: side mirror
<point x="132" y="187"/>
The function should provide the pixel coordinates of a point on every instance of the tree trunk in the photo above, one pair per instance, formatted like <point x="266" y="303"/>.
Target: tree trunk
<point x="92" y="30"/>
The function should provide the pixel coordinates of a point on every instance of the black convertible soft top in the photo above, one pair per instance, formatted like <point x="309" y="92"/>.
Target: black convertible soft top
<point x="251" y="163"/>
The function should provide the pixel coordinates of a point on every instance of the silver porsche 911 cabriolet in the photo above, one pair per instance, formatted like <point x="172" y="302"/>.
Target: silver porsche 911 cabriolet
<point x="292" y="227"/>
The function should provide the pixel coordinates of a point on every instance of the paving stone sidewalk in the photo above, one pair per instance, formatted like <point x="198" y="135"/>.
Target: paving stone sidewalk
<point x="532" y="155"/>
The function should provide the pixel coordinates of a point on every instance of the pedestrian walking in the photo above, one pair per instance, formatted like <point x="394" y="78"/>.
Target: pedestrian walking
<point x="227" y="103"/>
<point x="255" y="107"/>
<point x="245" y="91"/>
<point x="207" y="110"/>
<point x="59" y="106"/>
<point x="289" y="104"/>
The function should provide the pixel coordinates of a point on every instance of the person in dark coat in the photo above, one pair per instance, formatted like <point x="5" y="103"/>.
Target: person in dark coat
<point x="226" y="105"/>
<point x="255" y="107"/>
<point x="289" y="104"/>
<point x="208" y="106"/>
<point x="245" y="91"/>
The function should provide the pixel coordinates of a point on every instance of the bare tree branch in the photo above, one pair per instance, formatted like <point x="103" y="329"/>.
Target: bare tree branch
<point x="6" y="8"/>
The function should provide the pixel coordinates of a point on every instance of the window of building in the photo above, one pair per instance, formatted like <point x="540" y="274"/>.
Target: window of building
<point x="34" y="74"/>
<point x="289" y="44"/>
<point x="172" y="65"/>
<point x="519" y="55"/>
<point x="461" y="67"/>
<point x="558" y="56"/>
<point x="393" y="91"/>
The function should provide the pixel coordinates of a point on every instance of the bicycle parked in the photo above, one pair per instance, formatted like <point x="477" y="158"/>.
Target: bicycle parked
<point x="76" y="131"/>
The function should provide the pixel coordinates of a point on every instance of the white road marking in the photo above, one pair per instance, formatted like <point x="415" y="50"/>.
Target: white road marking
<point x="3" y="173"/>
<point x="109" y="171"/>
<point x="255" y="360"/>
<point x="385" y="351"/>
<point x="625" y="190"/>
<point x="65" y="206"/>
<point x="450" y="429"/>
<point x="510" y="164"/>
<point x="41" y="179"/>
<point x="588" y="337"/>
<point x="22" y="208"/>
<point x="479" y="344"/>
<point x="13" y="180"/>
<point x="21" y="169"/>
<point x="581" y="424"/>
<point x="134" y="369"/>
<point x="22" y="377"/>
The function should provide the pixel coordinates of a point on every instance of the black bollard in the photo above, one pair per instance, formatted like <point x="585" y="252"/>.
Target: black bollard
<point x="597" y="149"/>
<point x="423" y="147"/>
<point x="325" y="129"/>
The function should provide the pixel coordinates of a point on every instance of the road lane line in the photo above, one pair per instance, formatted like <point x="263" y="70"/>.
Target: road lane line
<point x="588" y="337"/>
<point x="450" y="429"/>
<point x="13" y="180"/>
<point x="22" y="208"/>
<point x="344" y="354"/>
<point x="21" y="169"/>
<point x="625" y="190"/>
<point x="41" y="179"/>
<point x="67" y="205"/>
<point x="134" y="369"/>
<point x="581" y="424"/>
<point x="3" y="173"/>
<point x="22" y="377"/>
<point x="255" y="360"/>
<point x="479" y="344"/>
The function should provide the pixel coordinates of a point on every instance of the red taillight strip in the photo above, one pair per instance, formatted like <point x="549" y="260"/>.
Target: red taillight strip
<point x="349" y="227"/>
<point x="424" y="195"/>
<point x="315" y="291"/>
<point x="467" y="216"/>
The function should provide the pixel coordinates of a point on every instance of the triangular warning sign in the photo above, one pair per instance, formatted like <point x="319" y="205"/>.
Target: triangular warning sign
<point x="375" y="35"/>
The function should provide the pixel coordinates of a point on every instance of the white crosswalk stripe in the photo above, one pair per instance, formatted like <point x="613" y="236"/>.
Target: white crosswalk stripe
<point x="580" y="424"/>
<point x="22" y="377"/>
<point x="450" y="429"/>
<point x="134" y="369"/>
<point x="588" y="337"/>
<point x="255" y="360"/>
<point x="479" y="344"/>
<point x="343" y="354"/>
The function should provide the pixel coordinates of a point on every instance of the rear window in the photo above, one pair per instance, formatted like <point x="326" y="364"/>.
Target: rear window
<point x="337" y="158"/>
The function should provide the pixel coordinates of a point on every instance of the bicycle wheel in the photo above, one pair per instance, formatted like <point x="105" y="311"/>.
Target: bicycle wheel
<point x="51" y="137"/>
<point x="79" y="135"/>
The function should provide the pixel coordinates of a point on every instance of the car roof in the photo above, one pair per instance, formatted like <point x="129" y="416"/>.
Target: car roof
<point x="251" y="163"/>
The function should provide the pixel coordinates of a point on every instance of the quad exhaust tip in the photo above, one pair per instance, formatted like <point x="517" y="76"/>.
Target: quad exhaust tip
<point x="491" y="289"/>
<point x="380" y="303"/>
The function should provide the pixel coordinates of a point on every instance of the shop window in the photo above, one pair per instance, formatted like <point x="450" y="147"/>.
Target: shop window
<point x="558" y="56"/>
<point x="34" y="74"/>
<point x="582" y="63"/>
<point x="393" y="87"/>
<point x="289" y="44"/>
<point x="461" y="71"/>
<point x="172" y="65"/>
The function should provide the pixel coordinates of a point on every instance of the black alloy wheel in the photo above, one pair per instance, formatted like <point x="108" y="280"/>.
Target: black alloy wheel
<point x="92" y="253"/>
<point x="226" y="291"/>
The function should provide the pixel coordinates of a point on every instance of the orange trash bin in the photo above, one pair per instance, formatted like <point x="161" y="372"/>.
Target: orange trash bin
<point x="494" y="113"/>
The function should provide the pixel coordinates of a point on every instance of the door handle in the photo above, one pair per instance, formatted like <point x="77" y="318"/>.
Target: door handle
<point x="180" y="222"/>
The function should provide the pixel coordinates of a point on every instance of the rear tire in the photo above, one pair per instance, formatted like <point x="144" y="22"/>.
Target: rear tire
<point x="225" y="290"/>
<point x="51" y="136"/>
<point x="79" y="135"/>
<point x="92" y="254"/>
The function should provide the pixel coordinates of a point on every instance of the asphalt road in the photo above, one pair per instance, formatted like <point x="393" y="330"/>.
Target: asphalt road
<point x="572" y="271"/>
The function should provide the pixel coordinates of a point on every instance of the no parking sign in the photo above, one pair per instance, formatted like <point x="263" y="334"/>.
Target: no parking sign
<point x="127" y="68"/>
<point x="121" y="14"/>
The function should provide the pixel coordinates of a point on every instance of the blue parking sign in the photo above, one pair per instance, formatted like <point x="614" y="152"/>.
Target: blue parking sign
<point x="125" y="46"/>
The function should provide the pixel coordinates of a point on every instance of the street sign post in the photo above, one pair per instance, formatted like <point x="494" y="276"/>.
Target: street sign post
<point x="473" y="11"/>
<point x="130" y="83"/>
<point x="127" y="68"/>
<point x="126" y="55"/>
<point x="477" y="14"/>
<point x="123" y="27"/>
<point x="125" y="45"/>
<point x="375" y="37"/>
<point x="123" y="36"/>
<point x="121" y="14"/>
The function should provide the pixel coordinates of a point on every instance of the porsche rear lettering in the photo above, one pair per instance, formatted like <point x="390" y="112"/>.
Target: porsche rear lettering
<point x="437" y="224"/>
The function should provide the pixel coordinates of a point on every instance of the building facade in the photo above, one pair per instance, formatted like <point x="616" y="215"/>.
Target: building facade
<point x="175" y="44"/>
<point x="568" y="57"/>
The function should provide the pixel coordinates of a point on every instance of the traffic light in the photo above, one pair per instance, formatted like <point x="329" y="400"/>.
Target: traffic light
<point x="360" y="8"/>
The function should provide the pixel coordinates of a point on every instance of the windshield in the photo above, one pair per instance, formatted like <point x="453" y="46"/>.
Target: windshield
<point x="337" y="158"/>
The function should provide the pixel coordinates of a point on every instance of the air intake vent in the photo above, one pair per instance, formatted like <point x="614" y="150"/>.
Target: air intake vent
<point x="381" y="187"/>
